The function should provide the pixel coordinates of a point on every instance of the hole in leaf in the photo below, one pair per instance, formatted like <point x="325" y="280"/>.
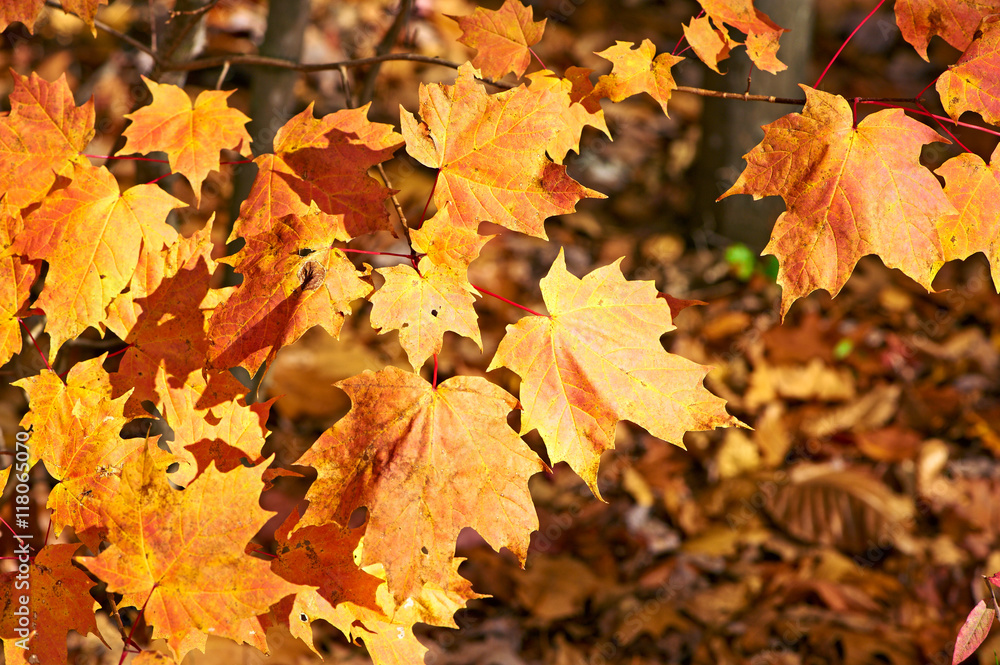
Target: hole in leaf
<point x="305" y="251"/>
<point x="434" y="312"/>
<point x="303" y="617"/>
<point x="423" y="550"/>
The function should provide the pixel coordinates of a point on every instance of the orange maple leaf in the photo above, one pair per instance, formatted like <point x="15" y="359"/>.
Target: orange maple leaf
<point x="192" y="135"/>
<point x="85" y="9"/>
<point x="447" y="244"/>
<point x="502" y="38"/>
<point x="16" y="277"/>
<point x="363" y="613"/>
<point x="849" y="191"/>
<point x="76" y="428"/>
<point x="60" y="601"/>
<point x="708" y="42"/>
<point x="580" y="107"/>
<point x="972" y="84"/>
<point x="325" y="161"/>
<point x="24" y="11"/>
<point x="490" y="150"/>
<point x="422" y="304"/>
<point x="180" y="554"/>
<point x="162" y="320"/>
<point x="712" y="44"/>
<point x="597" y="359"/>
<point x="637" y="71"/>
<point x="91" y="234"/>
<point x="292" y="280"/>
<point x="41" y="138"/>
<point x="224" y="433"/>
<point x="973" y="187"/>
<point x="955" y="22"/>
<point x="426" y="462"/>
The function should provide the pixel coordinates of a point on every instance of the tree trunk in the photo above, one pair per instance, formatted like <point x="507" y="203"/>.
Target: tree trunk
<point x="731" y="128"/>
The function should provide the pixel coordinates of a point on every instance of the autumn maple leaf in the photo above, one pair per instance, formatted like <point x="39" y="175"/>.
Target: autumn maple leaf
<point x="955" y="22"/>
<point x="971" y="84"/>
<point x="60" y="602"/>
<point x="637" y="71"/>
<point x="580" y="108"/>
<point x="490" y="150"/>
<point x="973" y="187"/>
<point x="41" y="138"/>
<point x="447" y="244"/>
<point x="849" y="191"/>
<point x="422" y="304"/>
<point x="162" y="320"/>
<point x="503" y="38"/>
<point x="76" y="426"/>
<point x="24" y="11"/>
<point x="710" y="41"/>
<point x="180" y="554"/>
<point x="91" y="234"/>
<point x="15" y="285"/>
<point x="192" y="135"/>
<point x="597" y="359"/>
<point x="323" y="161"/>
<point x="403" y="451"/>
<point x="293" y="279"/>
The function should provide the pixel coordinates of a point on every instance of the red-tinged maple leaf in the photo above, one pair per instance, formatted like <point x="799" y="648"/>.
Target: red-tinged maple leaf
<point x="954" y="21"/>
<point x="762" y="34"/>
<point x="490" y="150"/>
<point x="710" y="44"/>
<point x="426" y="462"/>
<point x="994" y="579"/>
<point x="447" y="244"/>
<point x="849" y="191"/>
<point x="323" y="557"/>
<point x="192" y="134"/>
<point x="637" y="71"/>
<point x="972" y="84"/>
<point x="597" y="359"/>
<point x="91" y="234"/>
<point x="16" y="277"/>
<point x="24" y="11"/>
<point x="423" y="305"/>
<point x="76" y="428"/>
<point x="225" y="433"/>
<point x="973" y="187"/>
<point x="181" y="553"/>
<point x="973" y="632"/>
<point x="502" y="38"/>
<point x="41" y="138"/>
<point x="292" y="280"/>
<point x="56" y="596"/>
<point x="326" y="161"/>
<point x="580" y="108"/>
<point x="162" y="320"/>
<point x="383" y="625"/>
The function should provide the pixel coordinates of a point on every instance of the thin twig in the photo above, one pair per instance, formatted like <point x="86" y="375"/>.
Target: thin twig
<point x="152" y="25"/>
<point x="397" y="206"/>
<point x="192" y="17"/>
<point x="222" y="76"/>
<point x="346" y="82"/>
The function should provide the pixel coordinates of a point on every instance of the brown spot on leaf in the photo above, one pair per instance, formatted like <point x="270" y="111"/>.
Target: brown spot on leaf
<point x="312" y="275"/>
